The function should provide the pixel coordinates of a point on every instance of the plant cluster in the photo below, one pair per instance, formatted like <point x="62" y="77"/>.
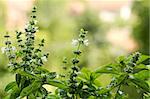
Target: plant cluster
<point x="26" y="61"/>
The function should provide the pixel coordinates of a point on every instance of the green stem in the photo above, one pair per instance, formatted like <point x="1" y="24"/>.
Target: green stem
<point x="77" y="49"/>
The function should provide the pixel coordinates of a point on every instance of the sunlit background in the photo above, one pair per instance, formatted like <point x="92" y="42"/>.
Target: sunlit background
<point x="116" y="27"/>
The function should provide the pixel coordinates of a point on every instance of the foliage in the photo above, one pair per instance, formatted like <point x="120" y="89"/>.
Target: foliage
<point x="27" y="59"/>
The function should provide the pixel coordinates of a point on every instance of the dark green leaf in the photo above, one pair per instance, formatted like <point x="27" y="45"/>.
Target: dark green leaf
<point x="31" y="96"/>
<point x="56" y="83"/>
<point x="18" y="79"/>
<point x="25" y="83"/>
<point x="42" y="69"/>
<point x="143" y="58"/>
<point x="141" y="84"/>
<point x="139" y="68"/>
<point x="10" y="86"/>
<point x="52" y="97"/>
<point x="143" y="75"/>
<point x="103" y="91"/>
<point x="136" y="70"/>
<point x="23" y="73"/>
<point x="80" y="85"/>
<point x="15" y="93"/>
<point x="31" y="88"/>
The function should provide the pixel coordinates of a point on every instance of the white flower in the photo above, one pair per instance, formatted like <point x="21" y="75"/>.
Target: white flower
<point x="36" y="28"/>
<point x="18" y="97"/>
<point x="86" y="43"/>
<point x="43" y="75"/>
<point x="10" y="64"/>
<point x="32" y="60"/>
<point x="120" y="92"/>
<point x="74" y="42"/>
<point x="44" y="58"/>
<point x="3" y="49"/>
<point x="57" y="76"/>
<point x="35" y="21"/>
<point x="131" y="76"/>
<point x="13" y="48"/>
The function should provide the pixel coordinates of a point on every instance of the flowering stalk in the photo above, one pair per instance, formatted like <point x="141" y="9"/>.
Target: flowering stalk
<point x="10" y="52"/>
<point x="75" y="69"/>
<point x="27" y="60"/>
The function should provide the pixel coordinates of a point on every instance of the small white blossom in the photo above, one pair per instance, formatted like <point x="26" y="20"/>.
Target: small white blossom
<point x="32" y="72"/>
<point x="13" y="48"/>
<point x="75" y="42"/>
<point x="44" y="58"/>
<point x="43" y="75"/>
<point x="131" y="76"/>
<point x="3" y="49"/>
<point x="86" y="42"/>
<point x="120" y="92"/>
<point x="57" y="76"/>
<point x="32" y="60"/>
<point x="113" y="79"/>
<point x="37" y="29"/>
<point x="10" y="64"/>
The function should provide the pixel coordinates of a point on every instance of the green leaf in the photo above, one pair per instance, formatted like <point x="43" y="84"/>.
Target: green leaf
<point x="23" y="73"/>
<point x="136" y="70"/>
<point x="85" y="74"/>
<point x="15" y="93"/>
<point x="31" y="88"/>
<point x="10" y="86"/>
<point x="103" y="91"/>
<point x="143" y="75"/>
<point x="143" y="58"/>
<point x="42" y="69"/>
<point x="52" y="97"/>
<point x="139" y="68"/>
<point x="109" y="69"/>
<point x="13" y="90"/>
<point x="56" y="83"/>
<point x="31" y="96"/>
<point x="80" y="85"/>
<point x="141" y="84"/>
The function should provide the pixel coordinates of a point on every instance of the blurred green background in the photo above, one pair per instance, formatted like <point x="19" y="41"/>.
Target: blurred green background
<point x="116" y="27"/>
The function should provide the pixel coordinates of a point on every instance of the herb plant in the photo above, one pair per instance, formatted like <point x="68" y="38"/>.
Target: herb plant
<point x="26" y="61"/>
